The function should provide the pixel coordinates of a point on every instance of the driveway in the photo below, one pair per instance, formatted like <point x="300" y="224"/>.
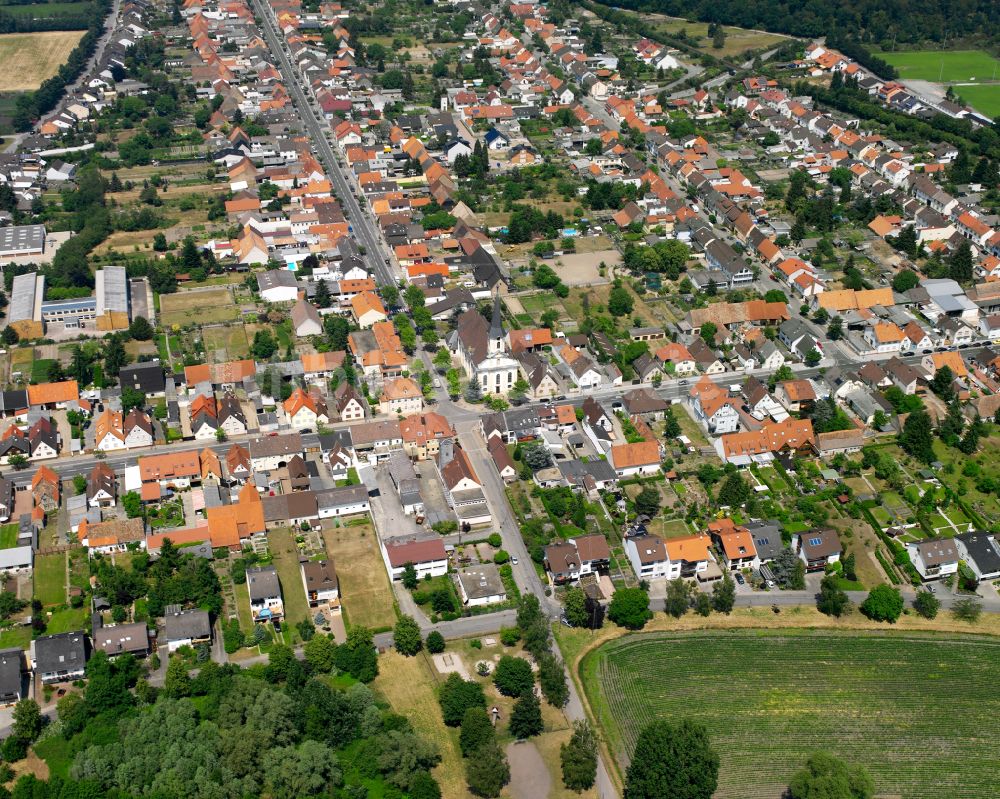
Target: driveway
<point x="529" y="776"/>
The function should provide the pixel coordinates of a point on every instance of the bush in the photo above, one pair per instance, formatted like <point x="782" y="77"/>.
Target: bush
<point x="501" y="557"/>
<point x="435" y="642"/>
<point x="495" y="540"/>
<point x="926" y="604"/>
<point x="509" y="636"/>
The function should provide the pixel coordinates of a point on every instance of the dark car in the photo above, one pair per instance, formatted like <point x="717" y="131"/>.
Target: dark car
<point x="739" y="579"/>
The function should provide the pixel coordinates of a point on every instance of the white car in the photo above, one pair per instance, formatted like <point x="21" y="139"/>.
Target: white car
<point x="513" y="560"/>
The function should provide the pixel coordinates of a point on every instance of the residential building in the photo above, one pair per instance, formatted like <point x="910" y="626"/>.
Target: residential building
<point x="817" y="548"/>
<point x="59" y="658"/>
<point x="981" y="553"/>
<point x="426" y="555"/>
<point x="934" y="558"/>
<point x="265" y="593"/>
<point x="401" y="395"/>
<point x="320" y="582"/>
<point x="185" y="627"/>
<point x="481" y="585"/>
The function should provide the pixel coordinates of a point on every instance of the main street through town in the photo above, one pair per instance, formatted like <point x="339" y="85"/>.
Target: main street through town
<point x="363" y="226"/>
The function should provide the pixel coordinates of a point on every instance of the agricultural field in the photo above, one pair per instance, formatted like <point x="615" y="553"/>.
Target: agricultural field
<point x="197" y="307"/>
<point x="738" y="40"/>
<point x="368" y="598"/>
<point x="896" y="703"/>
<point x="28" y="59"/>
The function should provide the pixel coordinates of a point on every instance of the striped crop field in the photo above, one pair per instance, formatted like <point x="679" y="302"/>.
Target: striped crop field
<point x="917" y="710"/>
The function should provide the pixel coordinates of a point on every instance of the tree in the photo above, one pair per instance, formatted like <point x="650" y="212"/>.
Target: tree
<point x="916" y="437"/>
<point x="835" y="330"/>
<point x="813" y="357"/>
<point x="178" y="682"/>
<point x="926" y="604"/>
<point x="904" y="280"/>
<point x="735" y="492"/>
<point x="832" y="600"/>
<point x="513" y="676"/>
<point x="357" y="655"/>
<point x="487" y="771"/>
<point x="140" y="329"/>
<point x="458" y="695"/>
<point x="321" y="654"/>
<point x="967" y="609"/>
<point x="707" y="333"/>
<point x="724" y="595"/>
<point x="675" y="761"/>
<point x="442" y="358"/>
<point x="827" y="777"/>
<point x="10" y="336"/>
<point x="477" y="730"/>
<point x="526" y="717"/>
<point x="620" y="302"/>
<point x="578" y="757"/>
<point x="678" y="599"/>
<point x="435" y="642"/>
<point x="960" y="263"/>
<point x="647" y="501"/>
<point x="264" y="345"/>
<point x="132" y="398"/>
<point x="629" y="608"/>
<point x="17" y="461"/>
<point x="322" y="297"/>
<point x="883" y="603"/>
<point x="406" y="636"/>
<point x="424" y="786"/>
<point x="132" y="503"/>
<point x="114" y="356"/>
<point x="27" y="721"/>
<point x="552" y="680"/>
<point x="575" y="607"/>
<point x="942" y="383"/>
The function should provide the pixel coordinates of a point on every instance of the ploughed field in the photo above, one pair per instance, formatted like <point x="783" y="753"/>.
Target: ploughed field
<point x="918" y="710"/>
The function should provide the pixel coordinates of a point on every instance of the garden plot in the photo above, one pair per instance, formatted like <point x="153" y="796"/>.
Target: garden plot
<point x="197" y="307"/>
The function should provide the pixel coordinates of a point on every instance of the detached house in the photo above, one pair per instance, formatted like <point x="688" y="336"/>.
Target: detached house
<point x="640" y="458"/>
<point x="817" y="548"/>
<point x="934" y="558"/>
<point x="265" y="593"/>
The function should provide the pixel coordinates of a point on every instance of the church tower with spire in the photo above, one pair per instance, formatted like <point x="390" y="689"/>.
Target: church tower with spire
<point x="497" y="335"/>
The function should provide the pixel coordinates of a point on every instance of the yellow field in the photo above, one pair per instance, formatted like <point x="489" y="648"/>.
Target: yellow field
<point x="28" y="59"/>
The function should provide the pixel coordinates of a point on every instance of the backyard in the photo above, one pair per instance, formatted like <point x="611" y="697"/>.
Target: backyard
<point x="50" y="578"/>
<point x="364" y="585"/>
<point x="794" y="699"/>
<point x="207" y="306"/>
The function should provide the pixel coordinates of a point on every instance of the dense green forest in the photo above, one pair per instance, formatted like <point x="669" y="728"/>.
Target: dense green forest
<point x="880" y="21"/>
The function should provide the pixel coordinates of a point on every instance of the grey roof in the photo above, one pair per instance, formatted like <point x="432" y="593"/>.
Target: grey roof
<point x="22" y="237"/>
<point x="121" y="638"/>
<point x="341" y="496"/>
<point x="276" y="278"/>
<point x="262" y="581"/>
<point x="111" y="288"/>
<point x="275" y="446"/>
<point x="480" y="582"/>
<point x="983" y="550"/>
<point x="61" y="652"/>
<point x="574" y="471"/>
<point x="146" y="377"/>
<point x="187" y="624"/>
<point x="766" y="538"/>
<point x="11" y="664"/>
<point x="24" y="296"/>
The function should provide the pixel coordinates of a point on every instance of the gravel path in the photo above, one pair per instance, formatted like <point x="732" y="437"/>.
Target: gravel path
<point x="529" y="776"/>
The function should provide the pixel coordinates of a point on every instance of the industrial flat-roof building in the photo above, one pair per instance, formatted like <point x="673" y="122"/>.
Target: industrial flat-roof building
<point x="25" y="311"/>
<point x="19" y="240"/>
<point x="111" y="298"/>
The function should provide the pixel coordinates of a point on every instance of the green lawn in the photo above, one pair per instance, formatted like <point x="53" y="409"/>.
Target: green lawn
<point x="8" y="535"/>
<point x="66" y="620"/>
<point x="910" y="708"/>
<point x="286" y="561"/>
<point x="984" y="98"/>
<point x="50" y="579"/>
<point x="944" y="66"/>
<point x="15" y="638"/>
<point x="40" y="370"/>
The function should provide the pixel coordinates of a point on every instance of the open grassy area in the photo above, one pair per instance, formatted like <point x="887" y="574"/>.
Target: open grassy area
<point x="771" y="698"/>
<point x="410" y="686"/>
<point x="286" y="561"/>
<point x="738" y="40"/>
<point x="202" y="307"/>
<point x="364" y="585"/>
<point x="67" y="620"/>
<point x="8" y="535"/>
<point x="228" y="342"/>
<point x="985" y="98"/>
<point x="28" y="59"/>
<point x="50" y="578"/>
<point x="944" y="66"/>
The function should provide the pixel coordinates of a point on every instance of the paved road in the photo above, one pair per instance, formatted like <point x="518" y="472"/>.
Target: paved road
<point x="362" y="223"/>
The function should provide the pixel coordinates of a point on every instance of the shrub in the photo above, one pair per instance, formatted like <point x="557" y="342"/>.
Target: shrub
<point x="509" y="636"/>
<point x="435" y="642"/>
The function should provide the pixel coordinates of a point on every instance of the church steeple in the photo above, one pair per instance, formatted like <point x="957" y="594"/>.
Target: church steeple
<point x="497" y="334"/>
